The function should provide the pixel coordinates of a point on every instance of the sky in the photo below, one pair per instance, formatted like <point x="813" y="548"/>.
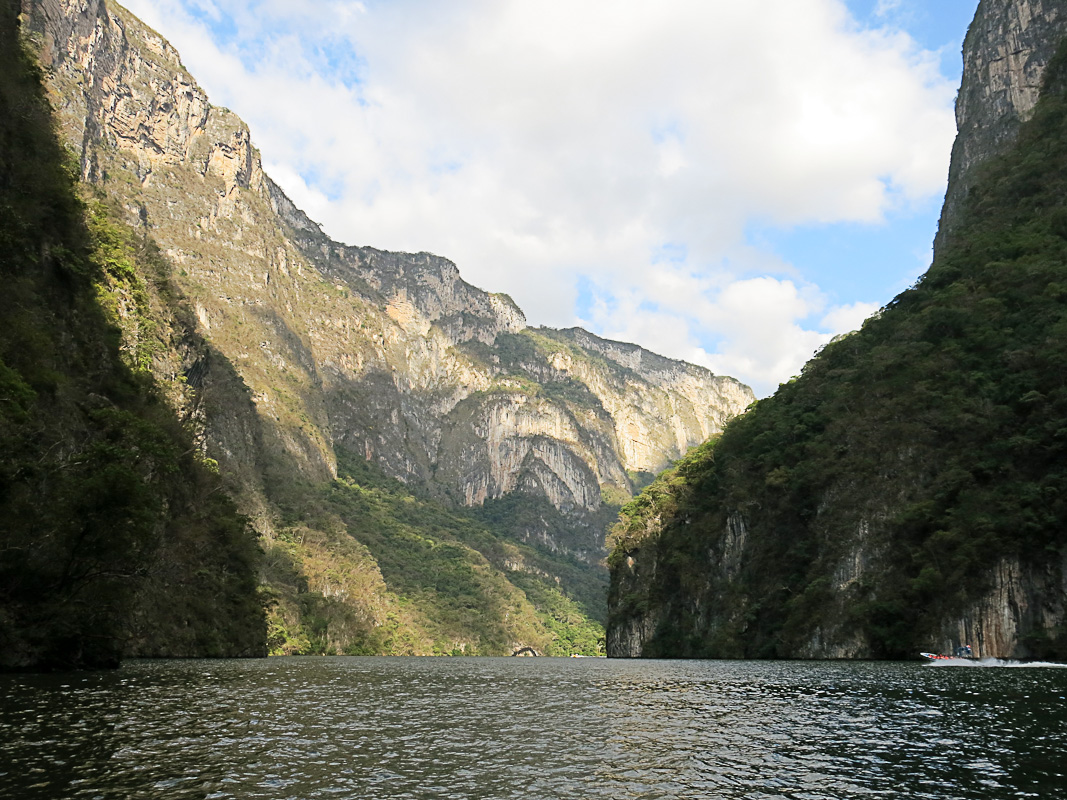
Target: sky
<point x="729" y="183"/>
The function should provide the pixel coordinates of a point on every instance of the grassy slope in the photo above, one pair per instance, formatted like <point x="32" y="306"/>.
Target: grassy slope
<point x="944" y="419"/>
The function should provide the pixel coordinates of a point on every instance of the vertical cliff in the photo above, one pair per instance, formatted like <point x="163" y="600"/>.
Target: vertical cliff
<point x="1005" y="52"/>
<point x="904" y="492"/>
<point x="337" y="344"/>
<point x="319" y="353"/>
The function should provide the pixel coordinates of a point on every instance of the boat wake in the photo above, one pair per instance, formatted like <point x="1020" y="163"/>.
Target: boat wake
<point x="994" y="662"/>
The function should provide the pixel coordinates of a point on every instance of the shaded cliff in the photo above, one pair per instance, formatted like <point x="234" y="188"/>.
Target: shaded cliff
<point x="323" y="353"/>
<point x="115" y="538"/>
<point x="905" y="492"/>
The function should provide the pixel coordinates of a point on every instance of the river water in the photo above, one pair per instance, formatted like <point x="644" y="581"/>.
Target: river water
<point x="534" y="728"/>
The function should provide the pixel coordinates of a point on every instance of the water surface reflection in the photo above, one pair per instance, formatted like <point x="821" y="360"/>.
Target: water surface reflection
<point x="533" y="728"/>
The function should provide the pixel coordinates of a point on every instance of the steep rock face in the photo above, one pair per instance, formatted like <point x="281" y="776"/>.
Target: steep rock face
<point x="1007" y="47"/>
<point x="1022" y="600"/>
<point x="521" y="439"/>
<point x="186" y="172"/>
<point x="658" y="404"/>
<point x="389" y="355"/>
<point x="900" y="494"/>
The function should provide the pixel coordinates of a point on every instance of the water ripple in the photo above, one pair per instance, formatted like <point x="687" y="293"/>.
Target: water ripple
<point x="533" y="728"/>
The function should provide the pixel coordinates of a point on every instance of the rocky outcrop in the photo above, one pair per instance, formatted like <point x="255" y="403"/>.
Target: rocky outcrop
<point x="389" y="355"/>
<point x="423" y="289"/>
<point x="1007" y="47"/>
<point x="1023" y="601"/>
<point x="659" y="405"/>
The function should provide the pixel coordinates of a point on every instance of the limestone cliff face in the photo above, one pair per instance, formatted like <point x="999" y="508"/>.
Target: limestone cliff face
<point x="1022" y="599"/>
<point x="423" y="290"/>
<point x="390" y="355"/>
<point x="1004" y="57"/>
<point x="658" y="404"/>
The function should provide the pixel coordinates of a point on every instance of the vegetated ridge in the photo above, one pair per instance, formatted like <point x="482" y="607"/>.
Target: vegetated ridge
<point x="426" y="473"/>
<point x="907" y="490"/>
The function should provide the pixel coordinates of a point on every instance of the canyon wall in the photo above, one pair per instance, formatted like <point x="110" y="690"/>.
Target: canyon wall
<point x="389" y="355"/>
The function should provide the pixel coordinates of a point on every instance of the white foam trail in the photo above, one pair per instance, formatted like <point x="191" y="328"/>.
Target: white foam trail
<point x="995" y="662"/>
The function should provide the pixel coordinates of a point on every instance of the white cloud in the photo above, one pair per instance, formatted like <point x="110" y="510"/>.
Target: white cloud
<point x="536" y="143"/>
<point x="762" y="336"/>
<point x="845" y="319"/>
<point x="886" y="7"/>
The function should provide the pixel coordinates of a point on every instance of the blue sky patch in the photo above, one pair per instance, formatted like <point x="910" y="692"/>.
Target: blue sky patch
<point x="934" y="24"/>
<point x="855" y="262"/>
<point x="222" y="26"/>
<point x="670" y="253"/>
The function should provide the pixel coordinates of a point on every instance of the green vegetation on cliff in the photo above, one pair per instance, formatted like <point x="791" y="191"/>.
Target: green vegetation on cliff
<point x="870" y="499"/>
<point x="369" y="568"/>
<point x="115" y="538"/>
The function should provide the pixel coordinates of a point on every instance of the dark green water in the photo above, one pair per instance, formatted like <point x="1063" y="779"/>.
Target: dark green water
<point x="534" y="728"/>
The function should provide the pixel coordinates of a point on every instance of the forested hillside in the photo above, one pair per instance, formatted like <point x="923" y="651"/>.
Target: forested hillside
<point x="907" y="490"/>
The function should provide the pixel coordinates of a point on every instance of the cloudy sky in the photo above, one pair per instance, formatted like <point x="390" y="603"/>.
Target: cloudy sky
<point x="727" y="182"/>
